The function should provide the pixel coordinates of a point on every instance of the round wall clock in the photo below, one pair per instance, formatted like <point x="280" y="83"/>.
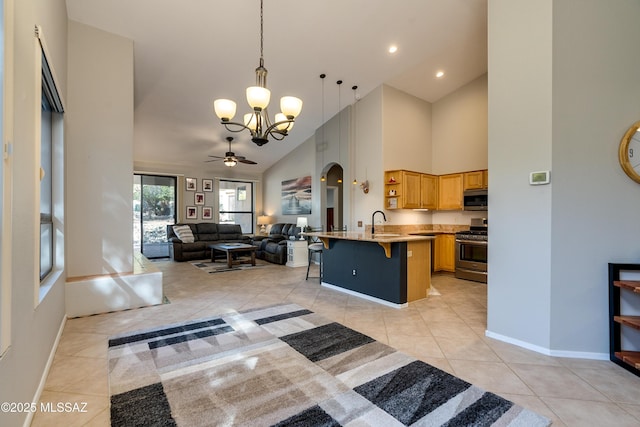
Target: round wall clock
<point x="629" y="153"/>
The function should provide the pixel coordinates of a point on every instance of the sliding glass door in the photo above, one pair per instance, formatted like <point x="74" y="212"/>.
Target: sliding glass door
<point x="154" y="207"/>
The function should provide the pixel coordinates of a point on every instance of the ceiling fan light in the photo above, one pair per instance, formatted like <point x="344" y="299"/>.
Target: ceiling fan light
<point x="230" y="161"/>
<point x="225" y="109"/>
<point x="251" y="121"/>
<point x="290" y="106"/>
<point x="258" y="97"/>
<point x="286" y="125"/>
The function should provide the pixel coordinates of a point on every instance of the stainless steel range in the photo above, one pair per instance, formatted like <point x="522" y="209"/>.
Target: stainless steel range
<point x="471" y="251"/>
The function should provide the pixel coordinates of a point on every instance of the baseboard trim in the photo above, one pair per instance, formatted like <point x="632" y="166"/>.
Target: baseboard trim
<point x="45" y="373"/>
<point x="363" y="296"/>
<point x="547" y="351"/>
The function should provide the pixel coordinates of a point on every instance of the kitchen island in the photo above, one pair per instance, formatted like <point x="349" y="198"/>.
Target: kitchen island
<point x="393" y="269"/>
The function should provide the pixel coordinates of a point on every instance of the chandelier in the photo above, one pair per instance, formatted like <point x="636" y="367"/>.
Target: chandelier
<point x="258" y="96"/>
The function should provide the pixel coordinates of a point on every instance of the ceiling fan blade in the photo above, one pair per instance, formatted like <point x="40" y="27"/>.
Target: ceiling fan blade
<point x="216" y="157"/>
<point x="248" y="162"/>
<point x="213" y="160"/>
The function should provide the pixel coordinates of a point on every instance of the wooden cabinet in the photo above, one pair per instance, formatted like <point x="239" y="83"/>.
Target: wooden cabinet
<point x="411" y="190"/>
<point x="428" y="191"/>
<point x="450" y="192"/>
<point x="476" y="180"/>
<point x="405" y="189"/>
<point x="444" y="257"/>
<point x="624" y="317"/>
<point x="402" y="189"/>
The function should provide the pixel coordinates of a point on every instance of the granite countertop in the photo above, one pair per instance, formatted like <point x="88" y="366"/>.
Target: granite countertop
<point x="368" y="237"/>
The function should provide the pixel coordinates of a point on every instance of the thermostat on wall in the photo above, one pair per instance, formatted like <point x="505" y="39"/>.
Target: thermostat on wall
<point x="539" y="178"/>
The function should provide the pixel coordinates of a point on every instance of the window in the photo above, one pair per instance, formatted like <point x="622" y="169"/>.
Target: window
<point x="236" y="204"/>
<point x="154" y="207"/>
<point x="50" y="120"/>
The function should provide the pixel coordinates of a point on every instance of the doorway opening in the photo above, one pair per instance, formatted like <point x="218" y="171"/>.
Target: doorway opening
<point x="332" y="196"/>
<point x="154" y="207"/>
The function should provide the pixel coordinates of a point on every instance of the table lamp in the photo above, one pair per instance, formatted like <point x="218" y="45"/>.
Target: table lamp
<point x="263" y="220"/>
<point x="302" y="224"/>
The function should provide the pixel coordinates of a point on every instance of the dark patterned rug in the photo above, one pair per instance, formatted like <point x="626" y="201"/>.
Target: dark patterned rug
<point x="287" y="366"/>
<point x="221" y="266"/>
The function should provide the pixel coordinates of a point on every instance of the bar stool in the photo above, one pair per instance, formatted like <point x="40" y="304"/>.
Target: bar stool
<point x="315" y="248"/>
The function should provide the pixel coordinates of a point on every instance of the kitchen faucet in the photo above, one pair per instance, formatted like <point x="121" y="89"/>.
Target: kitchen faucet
<point x="373" y="227"/>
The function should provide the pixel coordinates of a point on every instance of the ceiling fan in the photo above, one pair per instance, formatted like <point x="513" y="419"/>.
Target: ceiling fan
<point x="230" y="159"/>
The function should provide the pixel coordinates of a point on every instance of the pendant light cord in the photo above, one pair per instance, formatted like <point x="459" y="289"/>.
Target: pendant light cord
<point x="339" y="82"/>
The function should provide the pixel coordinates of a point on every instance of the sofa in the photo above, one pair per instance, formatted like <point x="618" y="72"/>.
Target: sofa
<point x="204" y="234"/>
<point x="273" y="247"/>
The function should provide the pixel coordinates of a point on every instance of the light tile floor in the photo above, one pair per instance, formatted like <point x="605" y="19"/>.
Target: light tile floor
<point x="446" y="331"/>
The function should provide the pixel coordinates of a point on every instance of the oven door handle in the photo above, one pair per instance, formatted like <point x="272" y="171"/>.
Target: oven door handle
<point x="474" y="242"/>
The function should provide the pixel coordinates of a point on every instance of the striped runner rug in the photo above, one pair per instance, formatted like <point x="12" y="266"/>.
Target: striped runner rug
<point x="284" y="365"/>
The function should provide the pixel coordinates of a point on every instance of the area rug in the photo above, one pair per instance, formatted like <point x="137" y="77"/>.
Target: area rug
<point x="221" y="267"/>
<point x="284" y="365"/>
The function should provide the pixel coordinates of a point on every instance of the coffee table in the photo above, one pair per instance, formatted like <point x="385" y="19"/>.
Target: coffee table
<point x="230" y="249"/>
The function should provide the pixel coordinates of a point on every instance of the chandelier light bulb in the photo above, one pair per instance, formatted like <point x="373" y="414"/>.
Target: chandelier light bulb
<point x="286" y="125"/>
<point x="225" y="109"/>
<point x="251" y="121"/>
<point x="290" y="106"/>
<point x="258" y="97"/>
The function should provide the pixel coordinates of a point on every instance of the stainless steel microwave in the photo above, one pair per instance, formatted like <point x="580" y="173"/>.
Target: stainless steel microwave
<point x="475" y="200"/>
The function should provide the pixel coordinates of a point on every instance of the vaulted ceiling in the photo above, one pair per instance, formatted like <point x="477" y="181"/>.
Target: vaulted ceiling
<point x="190" y="52"/>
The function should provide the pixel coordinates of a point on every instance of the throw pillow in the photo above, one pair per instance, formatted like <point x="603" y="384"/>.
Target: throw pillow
<point x="184" y="233"/>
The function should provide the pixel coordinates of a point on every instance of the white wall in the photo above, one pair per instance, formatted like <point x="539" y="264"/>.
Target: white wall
<point x="100" y="153"/>
<point x="34" y="327"/>
<point x="460" y="139"/>
<point x="562" y="91"/>
<point x="367" y="158"/>
<point x="186" y="198"/>
<point x="298" y="163"/>
<point x="520" y="107"/>
<point x="596" y="98"/>
<point x="406" y="132"/>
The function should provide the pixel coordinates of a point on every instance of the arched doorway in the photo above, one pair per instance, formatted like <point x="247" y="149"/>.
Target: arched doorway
<point x="332" y="196"/>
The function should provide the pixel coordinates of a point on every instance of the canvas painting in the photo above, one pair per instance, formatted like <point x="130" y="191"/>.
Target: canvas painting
<point x="296" y="196"/>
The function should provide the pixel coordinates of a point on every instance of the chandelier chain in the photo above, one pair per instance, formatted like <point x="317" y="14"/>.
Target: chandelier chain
<point x="261" y="33"/>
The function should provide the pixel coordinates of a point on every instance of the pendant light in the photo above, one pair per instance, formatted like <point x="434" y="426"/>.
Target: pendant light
<point x="353" y="124"/>
<point x="339" y="83"/>
<point x="323" y="178"/>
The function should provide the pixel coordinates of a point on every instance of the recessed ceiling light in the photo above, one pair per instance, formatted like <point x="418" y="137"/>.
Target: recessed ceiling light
<point x="440" y="74"/>
<point x="393" y="49"/>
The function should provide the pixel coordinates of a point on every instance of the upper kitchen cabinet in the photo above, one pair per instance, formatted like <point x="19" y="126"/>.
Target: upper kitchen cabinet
<point x="476" y="180"/>
<point x="450" y="191"/>
<point x="402" y="189"/>
<point x="428" y="191"/>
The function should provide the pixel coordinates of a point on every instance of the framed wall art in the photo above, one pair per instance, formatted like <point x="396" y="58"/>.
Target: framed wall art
<point x="207" y="185"/>
<point x="207" y="212"/>
<point x="192" y="212"/>
<point x="296" y="196"/>
<point x="199" y="198"/>
<point x="191" y="183"/>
